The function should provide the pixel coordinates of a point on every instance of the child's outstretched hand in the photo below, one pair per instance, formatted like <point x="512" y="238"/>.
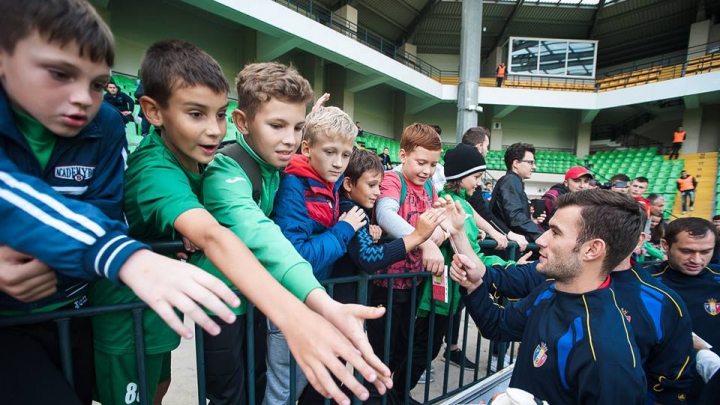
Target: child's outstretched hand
<point x="454" y="214"/>
<point x="525" y="258"/>
<point x="339" y="334"/>
<point x="165" y="284"/>
<point x="355" y="217"/>
<point x="321" y="102"/>
<point x="428" y="222"/>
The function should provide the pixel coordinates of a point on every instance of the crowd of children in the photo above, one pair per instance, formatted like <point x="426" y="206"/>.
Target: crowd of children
<point x="291" y="204"/>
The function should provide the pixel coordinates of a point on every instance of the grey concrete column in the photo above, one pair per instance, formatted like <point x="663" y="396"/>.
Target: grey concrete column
<point x="470" y="35"/>
<point x="692" y="124"/>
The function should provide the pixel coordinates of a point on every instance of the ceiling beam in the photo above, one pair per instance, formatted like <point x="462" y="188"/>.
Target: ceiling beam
<point x="646" y="23"/>
<point x="384" y="17"/>
<point x="507" y="23"/>
<point x="594" y="19"/>
<point x="409" y="34"/>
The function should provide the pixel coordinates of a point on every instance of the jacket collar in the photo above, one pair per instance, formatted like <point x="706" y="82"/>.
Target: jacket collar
<point x="263" y="164"/>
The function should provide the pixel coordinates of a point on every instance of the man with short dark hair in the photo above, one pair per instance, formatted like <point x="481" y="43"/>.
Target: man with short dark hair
<point x="509" y="202"/>
<point x="577" y="348"/>
<point x="716" y="222"/>
<point x="639" y="186"/>
<point x="689" y="244"/>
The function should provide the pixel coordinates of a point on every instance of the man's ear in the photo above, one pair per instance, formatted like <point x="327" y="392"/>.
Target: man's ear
<point x="593" y="249"/>
<point x="347" y="184"/>
<point x="241" y="121"/>
<point x="664" y="245"/>
<point x="152" y="111"/>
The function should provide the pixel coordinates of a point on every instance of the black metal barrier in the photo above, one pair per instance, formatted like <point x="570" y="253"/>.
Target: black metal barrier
<point x="63" y="317"/>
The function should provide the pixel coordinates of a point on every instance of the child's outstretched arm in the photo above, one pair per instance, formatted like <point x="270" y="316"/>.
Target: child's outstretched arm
<point x="315" y="342"/>
<point x="80" y="241"/>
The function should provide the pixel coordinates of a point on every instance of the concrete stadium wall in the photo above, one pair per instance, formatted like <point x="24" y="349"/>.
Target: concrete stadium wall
<point x="543" y="127"/>
<point x="375" y="108"/>
<point x="442" y="62"/>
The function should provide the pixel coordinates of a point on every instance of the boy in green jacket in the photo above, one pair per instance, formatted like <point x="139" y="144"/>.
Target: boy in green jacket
<point x="186" y="97"/>
<point x="271" y="114"/>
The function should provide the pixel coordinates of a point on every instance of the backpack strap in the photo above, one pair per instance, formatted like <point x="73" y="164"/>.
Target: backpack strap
<point x="248" y="164"/>
<point x="403" y="187"/>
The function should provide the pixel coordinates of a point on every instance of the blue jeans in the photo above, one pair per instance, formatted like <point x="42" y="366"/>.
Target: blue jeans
<point x="684" y="195"/>
<point x="277" y="391"/>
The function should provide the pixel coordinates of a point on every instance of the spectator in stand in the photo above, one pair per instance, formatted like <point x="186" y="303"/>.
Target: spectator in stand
<point x="678" y="139"/>
<point x="686" y="184"/>
<point x="716" y="222"/>
<point x="479" y="137"/>
<point x="620" y="183"/>
<point x="385" y="157"/>
<point x="509" y="202"/>
<point x="144" y="123"/>
<point x="638" y="187"/>
<point x="657" y="205"/>
<point x="500" y="74"/>
<point x="576" y="179"/>
<point x="657" y="230"/>
<point x="360" y="130"/>
<point x="121" y="101"/>
<point x="487" y="193"/>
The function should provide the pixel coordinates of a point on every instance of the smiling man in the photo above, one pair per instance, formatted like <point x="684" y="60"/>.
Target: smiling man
<point x="573" y="331"/>
<point x="689" y="243"/>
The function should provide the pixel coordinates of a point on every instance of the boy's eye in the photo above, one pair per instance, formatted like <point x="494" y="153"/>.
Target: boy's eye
<point x="222" y="115"/>
<point x="195" y="114"/>
<point x="275" y="126"/>
<point x="98" y="86"/>
<point x="298" y="129"/>
<point x="346" y="155"/>
<point x="58" y="75"/>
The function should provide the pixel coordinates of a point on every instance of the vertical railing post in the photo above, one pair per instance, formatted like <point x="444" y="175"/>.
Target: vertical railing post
<point x="137" y="315"/>
<point x="63" y="326"/>
<point x="200" y="361"/>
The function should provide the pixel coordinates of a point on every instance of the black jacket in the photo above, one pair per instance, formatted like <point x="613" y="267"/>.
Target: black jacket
<point x="122" y="102"/>
<point x="482" y="207"/>
<point x="510" y="205"/>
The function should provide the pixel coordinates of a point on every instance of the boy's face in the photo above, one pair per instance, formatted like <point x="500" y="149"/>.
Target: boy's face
<point x="112" y="89"/>
<point x="366" y="190"/>
<point x="329" y="156"/>
<point x="275" y="131"/>
<point x="193" y="123"/>
<point x="419" y="165"/>
<point x="53" y="84"/>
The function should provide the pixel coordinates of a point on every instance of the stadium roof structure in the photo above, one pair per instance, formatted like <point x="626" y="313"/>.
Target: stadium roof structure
<point x="628" y="30"/>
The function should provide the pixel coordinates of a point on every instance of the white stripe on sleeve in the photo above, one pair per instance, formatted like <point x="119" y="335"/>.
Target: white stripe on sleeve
<point x="43" y="217"/>
<point x="112" y="256"/>
<point x="53" y="203"/>
<point x="102" y="251"/>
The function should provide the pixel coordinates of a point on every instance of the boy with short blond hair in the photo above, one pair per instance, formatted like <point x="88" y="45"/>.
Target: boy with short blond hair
<point x="307" y="210"/>
<point x="270" y="116"/>
<point x="61" y="173"/>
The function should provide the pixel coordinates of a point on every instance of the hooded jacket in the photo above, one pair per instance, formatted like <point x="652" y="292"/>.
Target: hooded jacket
<point x="307" y="211"/>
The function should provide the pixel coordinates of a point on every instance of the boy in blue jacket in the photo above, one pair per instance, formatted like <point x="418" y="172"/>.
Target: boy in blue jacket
<point x="307" y="211"/>
<point x="61" y="172"/>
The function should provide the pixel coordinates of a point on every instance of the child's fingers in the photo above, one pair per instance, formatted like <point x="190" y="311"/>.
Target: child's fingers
<point x="166" y="312"/>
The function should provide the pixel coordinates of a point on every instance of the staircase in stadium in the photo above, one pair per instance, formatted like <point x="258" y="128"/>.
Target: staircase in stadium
<point x="703" y="166"/>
